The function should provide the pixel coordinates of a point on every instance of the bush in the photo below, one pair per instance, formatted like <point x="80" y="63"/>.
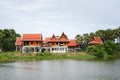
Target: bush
<point x="44" y="54"/>
<point x="96" y="50"/>
<point x="110" y="48"/>
<point x="100" y="53"/>
<point x="91" y="49"/>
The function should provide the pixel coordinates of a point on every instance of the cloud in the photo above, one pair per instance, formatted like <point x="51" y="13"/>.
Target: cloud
<point x="56" y="16"/>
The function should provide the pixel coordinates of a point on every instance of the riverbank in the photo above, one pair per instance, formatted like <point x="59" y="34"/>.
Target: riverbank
<point x="15" y="56"/>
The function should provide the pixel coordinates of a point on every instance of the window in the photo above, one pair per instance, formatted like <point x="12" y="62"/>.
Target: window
<point x="65" y="43"/>
<point x="57" y="43"/>
<point x="61" y="49"/>
<point x="31" y="43"/>
<point x="61" y="43"/>
<point x="52" y="49"/>
<point x="26" y="43"/>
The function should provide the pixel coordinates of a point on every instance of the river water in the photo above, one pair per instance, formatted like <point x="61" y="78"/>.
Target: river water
<point x="61" y="70"/>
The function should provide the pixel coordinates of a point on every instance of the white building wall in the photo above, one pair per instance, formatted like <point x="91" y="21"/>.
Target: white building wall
<point x="29" y="49"/>
<point x="59" y="49"/>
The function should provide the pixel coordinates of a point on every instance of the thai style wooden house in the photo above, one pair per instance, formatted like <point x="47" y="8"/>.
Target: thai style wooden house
<point x="95" y="40"/>
<point x="34" y="43"/>
<point x="73" y="46"/>
<point x="57" y="44"/>
<point x="29" y="43"/>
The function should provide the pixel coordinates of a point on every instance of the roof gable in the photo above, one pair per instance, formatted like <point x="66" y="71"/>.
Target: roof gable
<point x="97" y="39"/>
<point x="63" y="37"/>
<point x="53" y="37"/>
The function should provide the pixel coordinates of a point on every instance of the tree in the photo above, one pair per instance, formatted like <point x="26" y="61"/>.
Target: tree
<point x="117" y="34"/>
<point x="0" y="38"/>
<point x="101" y="34"/>
<point x="79" y="39"/>
<point x="109" y="35"/>
<point x="110" y="48"/>
<point x="92" y="35"/>
<point x="96" y="50"/>
<point x="86" y="38"/>
<point x="7" y="39"/>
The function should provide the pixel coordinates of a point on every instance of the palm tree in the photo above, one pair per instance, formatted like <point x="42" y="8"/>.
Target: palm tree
<point x="0" y="38"/>
<point x="92" y="35"/>
<point x="86" y="38"/>
<point x="101" y="34"/>
<point x="117" y="32"/>
<point x="79" y="39"/>
<point x="110" y="35"/>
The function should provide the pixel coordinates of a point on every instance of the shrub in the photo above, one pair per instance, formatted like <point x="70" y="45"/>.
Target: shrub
<point x="44" y="54"/>
<point x="96" y="50"/>
<point x="110" y="48"/>
<point x="100" y="53"/>
<point x="91" y="49"/>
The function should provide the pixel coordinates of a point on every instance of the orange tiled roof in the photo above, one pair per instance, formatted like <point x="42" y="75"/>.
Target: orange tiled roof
<point x="47" y="39"/>
<point x="18" y="41"/>
<point x="96" y="40"/>
<point x="56" y="38"/>
<point x="32" y="37"/>
<point x="72" y="43"/>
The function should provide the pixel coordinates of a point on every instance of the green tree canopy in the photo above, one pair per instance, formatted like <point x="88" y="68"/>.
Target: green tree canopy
<point x="7" y="39"/>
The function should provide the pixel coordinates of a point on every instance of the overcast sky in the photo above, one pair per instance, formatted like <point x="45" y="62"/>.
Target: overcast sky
<point x="57" y="16"/>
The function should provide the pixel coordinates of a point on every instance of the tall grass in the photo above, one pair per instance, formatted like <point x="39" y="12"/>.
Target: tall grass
<point x="14" y="56"/>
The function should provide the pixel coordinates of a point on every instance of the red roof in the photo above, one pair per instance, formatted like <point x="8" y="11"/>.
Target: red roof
<point x="72" y="43"/>
<point x="47" y="39"/>
<point x="57" y="38"/>
<point x="18" y="41"/>
<point x="96" y="40"/>
<point x="32" y="37"/>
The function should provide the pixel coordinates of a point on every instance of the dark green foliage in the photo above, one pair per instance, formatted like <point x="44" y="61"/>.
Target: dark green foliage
<point x="110" y="48"/>
<point x="118" y="48"/>
<point x="7" y="39"/>
<point x="105" y="35"/>
<point x="8" y="45"/>
<point x="79" y="39"/>
<point x="44" y="54"/>
<point x="96" y="50"/>
<point x="84" y="46"/>
<point x="100" y="53"/>
<point x="91" y="49"/>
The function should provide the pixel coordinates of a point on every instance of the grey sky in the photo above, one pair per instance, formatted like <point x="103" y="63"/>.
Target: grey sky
<point x="57" y="16"/>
